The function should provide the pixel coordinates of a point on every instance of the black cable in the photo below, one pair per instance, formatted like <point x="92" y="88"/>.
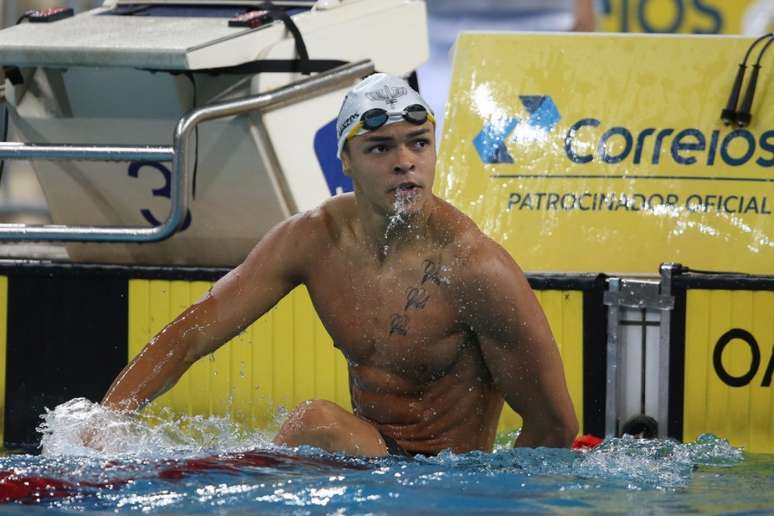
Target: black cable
<point x="729" y="114"/>
<point x="755" y="44"/>
<point x="279" y="13"/>
<point x="744" y="115"/>
<point x="23" y="17"/>
<point x="700" y="271"/>
<point x="196" y="149"/>
<point x="763" y="50"/>
<point x="196" y="136"/>
<point x="5" y="139"/>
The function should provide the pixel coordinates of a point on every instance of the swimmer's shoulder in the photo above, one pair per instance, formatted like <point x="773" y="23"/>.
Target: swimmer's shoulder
<point x="297" y="245"/>
<point x="456" y="231"/>
<point x="475" y="253"/>
<point x="325" y="223"/>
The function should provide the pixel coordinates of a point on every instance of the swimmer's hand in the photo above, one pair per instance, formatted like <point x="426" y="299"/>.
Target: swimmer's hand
<point x="89" y="439"/>
<point x="80" y="427"/>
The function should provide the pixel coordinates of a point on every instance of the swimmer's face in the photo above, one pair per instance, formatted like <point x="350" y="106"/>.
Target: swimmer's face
<point x="393" y="165"/>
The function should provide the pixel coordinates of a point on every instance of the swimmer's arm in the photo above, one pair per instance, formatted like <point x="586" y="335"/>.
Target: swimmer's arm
<point x="585" y="20"/>
<point x="271" y="270"/>
<point x="519" y="349"/>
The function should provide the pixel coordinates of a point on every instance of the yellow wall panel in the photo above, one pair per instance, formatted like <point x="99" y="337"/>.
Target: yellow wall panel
<point x="717" y="393"/>
<point x="240" y="369"/>
<point x="263" y="369"/>
<point x="304" y="351"/>
<point x="762" y="399"/>
<point x="282" y="344"/>
<point x="697" y="374"/>
<point x="730" y="397"/>
<point x="3" y="346"/>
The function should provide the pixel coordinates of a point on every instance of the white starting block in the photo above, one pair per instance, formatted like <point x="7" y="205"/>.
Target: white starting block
<point x="124" y="75"/>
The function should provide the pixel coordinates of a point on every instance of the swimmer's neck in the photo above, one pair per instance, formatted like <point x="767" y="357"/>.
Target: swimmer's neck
<point x="386" y="234"/>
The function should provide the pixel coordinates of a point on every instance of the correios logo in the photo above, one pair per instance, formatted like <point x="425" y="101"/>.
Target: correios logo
<point x="688" y="146"/>
<point x="490" y="142"/>
<point x="618" y="144"/>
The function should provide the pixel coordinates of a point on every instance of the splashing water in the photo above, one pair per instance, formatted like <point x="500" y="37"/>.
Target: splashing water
<point x="196" y="464"/>
<point x="656" y="462"/>
<point x="398" y="218"/>
<point x="80" y="427"/>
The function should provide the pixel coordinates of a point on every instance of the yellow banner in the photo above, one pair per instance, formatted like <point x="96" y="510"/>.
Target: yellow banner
<point x="683" y="16"/>
<point x="729" y="365"/>
<point x="607" y="152"/>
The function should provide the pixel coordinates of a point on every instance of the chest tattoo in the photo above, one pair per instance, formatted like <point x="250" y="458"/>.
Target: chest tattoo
<point x="416" y="298"/>
<point x="399" y="324"/>
<point x="432" y="272"/>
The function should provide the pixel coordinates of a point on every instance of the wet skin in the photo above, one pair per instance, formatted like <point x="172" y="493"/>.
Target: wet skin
<point x="436" y="321"/>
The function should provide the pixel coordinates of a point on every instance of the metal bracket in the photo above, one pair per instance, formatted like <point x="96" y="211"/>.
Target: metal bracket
<point x="637" y="293"/>
<point x="641" y="294"/>
<point x="177" y="153"/>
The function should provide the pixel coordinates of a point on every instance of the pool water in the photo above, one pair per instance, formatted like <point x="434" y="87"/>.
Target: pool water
<point x="195" y="465"/>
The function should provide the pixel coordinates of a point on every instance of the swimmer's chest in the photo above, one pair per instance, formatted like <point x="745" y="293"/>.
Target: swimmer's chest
<point x="387" y="316"/>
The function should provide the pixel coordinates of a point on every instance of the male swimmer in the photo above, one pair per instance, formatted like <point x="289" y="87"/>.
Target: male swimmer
<point x="437" y="322"/>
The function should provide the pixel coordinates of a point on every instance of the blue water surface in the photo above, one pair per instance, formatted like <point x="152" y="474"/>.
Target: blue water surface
<point x="209" y="465"/>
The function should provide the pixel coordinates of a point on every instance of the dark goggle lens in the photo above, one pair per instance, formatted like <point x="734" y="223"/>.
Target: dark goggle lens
<point x="374" y="119"/>
<point x="416" y="114"/>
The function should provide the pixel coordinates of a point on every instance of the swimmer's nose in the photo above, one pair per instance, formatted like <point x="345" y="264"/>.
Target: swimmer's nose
<point x="405" y="162"/>
<point x="402" y="168"/>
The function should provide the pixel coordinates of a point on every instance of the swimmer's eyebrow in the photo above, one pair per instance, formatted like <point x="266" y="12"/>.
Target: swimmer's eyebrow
<point x="418" y="132"/>
<point x="412" y="134"/>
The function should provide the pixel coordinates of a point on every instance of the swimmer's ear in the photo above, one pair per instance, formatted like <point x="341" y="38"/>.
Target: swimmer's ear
<point x="345" y="160"/>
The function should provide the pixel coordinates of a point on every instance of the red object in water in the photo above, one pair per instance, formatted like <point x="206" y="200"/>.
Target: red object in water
<point x="586" y="442"/>
<point x="32" y="489"/>
<point x="231" y="463"/>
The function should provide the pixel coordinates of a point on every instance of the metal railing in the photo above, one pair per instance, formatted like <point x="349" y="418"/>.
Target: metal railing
<point x="178" y="154"/>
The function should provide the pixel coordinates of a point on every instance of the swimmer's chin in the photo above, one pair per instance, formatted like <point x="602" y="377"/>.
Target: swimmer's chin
<point x="406" y="208"/>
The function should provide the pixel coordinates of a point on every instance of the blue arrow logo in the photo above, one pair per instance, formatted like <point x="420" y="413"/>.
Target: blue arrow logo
<point x="490" y="141"/>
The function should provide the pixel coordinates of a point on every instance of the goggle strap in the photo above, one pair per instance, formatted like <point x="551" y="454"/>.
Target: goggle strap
<point x="359" y="125"/>
<point x="355" y="129"/>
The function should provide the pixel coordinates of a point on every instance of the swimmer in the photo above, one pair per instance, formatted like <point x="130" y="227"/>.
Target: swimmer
<point x="437" y="322"/>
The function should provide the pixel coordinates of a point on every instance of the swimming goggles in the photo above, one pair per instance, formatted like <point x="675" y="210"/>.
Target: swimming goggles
<point x="375" y="118"/>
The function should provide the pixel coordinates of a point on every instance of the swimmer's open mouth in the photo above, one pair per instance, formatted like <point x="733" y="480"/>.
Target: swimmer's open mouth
<point x="406" y="188"/>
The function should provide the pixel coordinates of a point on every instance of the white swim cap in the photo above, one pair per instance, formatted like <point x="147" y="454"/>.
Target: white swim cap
<point x="378" y="91"/>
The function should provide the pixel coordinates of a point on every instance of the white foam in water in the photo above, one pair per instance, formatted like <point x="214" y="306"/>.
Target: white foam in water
<point x="80" y="427"/>
<point x="652" y="463"/>
<point x="655" y="462"/>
